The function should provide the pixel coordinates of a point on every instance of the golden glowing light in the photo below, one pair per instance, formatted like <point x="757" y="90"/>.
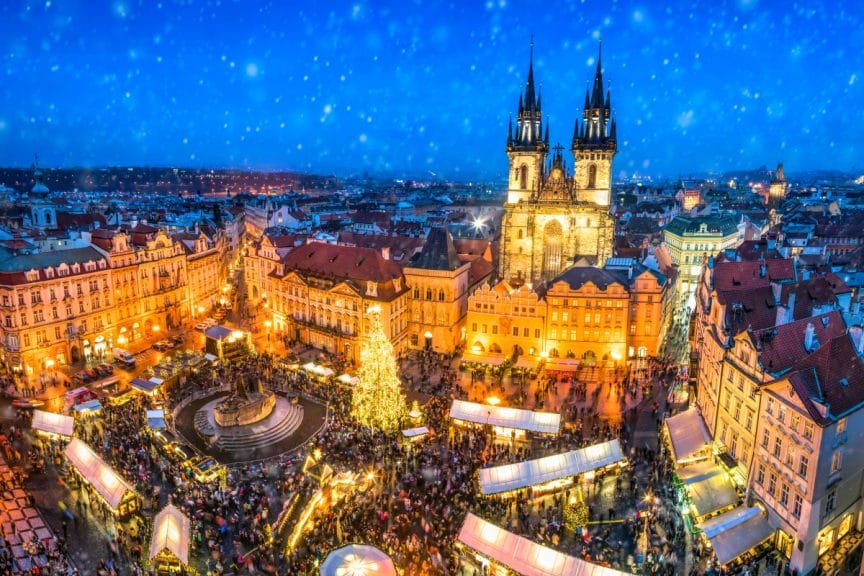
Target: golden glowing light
<point x="493" y="400"/>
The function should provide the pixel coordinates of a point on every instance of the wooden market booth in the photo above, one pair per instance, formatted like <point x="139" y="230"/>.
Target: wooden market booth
<point x="169" y="543"/>
<point x="114" y="491"/>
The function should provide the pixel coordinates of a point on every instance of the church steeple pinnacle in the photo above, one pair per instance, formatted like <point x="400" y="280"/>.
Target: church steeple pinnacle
<point x="530" y="100"/>
<point x="529" y="118"/>
<point x="597" y="91"/>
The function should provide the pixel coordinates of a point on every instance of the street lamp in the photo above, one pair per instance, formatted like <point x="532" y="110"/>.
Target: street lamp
<point x="268" y="324"/>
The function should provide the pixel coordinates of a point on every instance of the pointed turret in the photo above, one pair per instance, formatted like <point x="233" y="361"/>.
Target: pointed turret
<point x="587" y="100"/>
<point x="608" y="100"/>
<point x="546" y="137"/>
<point x="597" y="91"/>
<point x="530" y="100"/>
<point x="510" y="132"/>
<point x="540" y="98"/>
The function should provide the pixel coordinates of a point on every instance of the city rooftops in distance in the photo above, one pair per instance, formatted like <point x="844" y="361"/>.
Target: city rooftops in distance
<point x="713" y="224"/>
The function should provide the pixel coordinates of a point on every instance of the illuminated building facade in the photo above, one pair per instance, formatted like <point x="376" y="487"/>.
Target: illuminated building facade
<point x="552" y="217"/>
<point x="322" y="291"/>
<point x="593" y="314"/>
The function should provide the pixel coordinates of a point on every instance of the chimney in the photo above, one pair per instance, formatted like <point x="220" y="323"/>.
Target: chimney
<point x="808" y="337"/>
<point x="790" y="307"/>
<point x="385" y="252"/>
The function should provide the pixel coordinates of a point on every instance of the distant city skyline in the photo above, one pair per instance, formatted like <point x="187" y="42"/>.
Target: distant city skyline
<point x="413" y="90"/>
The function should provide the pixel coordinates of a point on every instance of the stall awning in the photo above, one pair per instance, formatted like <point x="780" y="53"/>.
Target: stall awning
<point x="483" y="359"/>
<point x="210" y="357"/>
<point x="171" y="533"/>
<point x="414" y="432"/>
<point x="218" y="332"/>
<point x="525" y="363"/>
<point x="348" y="379"/>
<point x="504" y="417"/>
<point x="156" y="419"/>
<point x="89" y="405"/>
<point x="319" y="370"/>
<point x="110" y="486"/>
<point x="562" y="364"/>
<point x="522" y="555"/>
<point x="687" y="433"/>
<point x="145" y="386"/>
<point x="711" y="491"/>
<point x="737" y="531"/>
<point x="359" y="560"/>
<point x="157" y="381"/>
<point x="53" y="423"/>
<point x="542" y="470"/>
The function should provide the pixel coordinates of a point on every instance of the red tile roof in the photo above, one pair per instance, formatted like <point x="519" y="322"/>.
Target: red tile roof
<point x="747" y="275"/>
<point x="343" y="262"/>
<point x="782" y="346"/>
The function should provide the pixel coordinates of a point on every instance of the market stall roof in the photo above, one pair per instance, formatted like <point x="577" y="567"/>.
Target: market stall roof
<point x="53" y="423"/>
<point x="156" y="419"/>
<point x="104" y="479"/>
<point x="348" y="379"/>
<point x="319" y="370"/>
<point x="542" y="470"/>
<point x="737" y="531"/>
<point x="146" y="386"/>
<point x="525" y="362"/>
<point x="711" y="491"/>
<point x="359" y="560"/>
<point x="157" y="381"/>
<point x="414" y="432"/>
<point x="687" y="433"/>
<point x="218" y="332"/>
<point x="89" y="405"/>
<point x="210" y="357"/>
<point x="171" y="533"/>
<point x="491" y="360"/>
<point x="563" y="364"/>
<point x="505" y="417"/>
<point x="522" y="555"/>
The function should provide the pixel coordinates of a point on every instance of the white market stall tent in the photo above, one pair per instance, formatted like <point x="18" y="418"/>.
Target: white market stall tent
<point x="688" y="436"/>
<point x="735" y="532"/>
<point x="110" y="486"/>
<point x="709" y="487"/>
<point x="415" y="432"/>
<point x="170" y="539"/>
<point x="318" y="370"/>
<point x="52" y="423"/>
<point x="506" y="417"/>
<point x="549" y="468"/>
<point x="156" y="419"/>
<point x="348" y="379"/>
<point x="522" y="555"/>
<point x="357" y="560"/>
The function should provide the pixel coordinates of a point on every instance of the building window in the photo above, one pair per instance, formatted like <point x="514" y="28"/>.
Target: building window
<point x="26" y="340"/>
<point x="441" y="295"/>
<point x="760" y="475"/>
<point x="808" y="430"/>
<point x="536" y="332"/>
<point x="749" y="420"/>
<point x="474" y="327"/>
<point x="784" y="495"/>
<point x="803" y="465"/>
<point x="790" y="458"/>
<point x="797" y="503"/>
<point x="778" y="447"/>
<point x="830" y="501"/>
<point x="494" y="329"/>
<point x="841" y="426"/>
<point x="772" y="483"/>
<point x="770" y="407"/>
<point x="836" y="461"/>
<point x="525" y="332"/>
<point x="515" y="331"/>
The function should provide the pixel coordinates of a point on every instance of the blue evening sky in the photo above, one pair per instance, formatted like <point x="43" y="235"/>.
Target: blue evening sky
<point x="408" y="87"/>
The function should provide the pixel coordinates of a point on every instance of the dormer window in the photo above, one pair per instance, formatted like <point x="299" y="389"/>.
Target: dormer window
<point x="371" y="289"/>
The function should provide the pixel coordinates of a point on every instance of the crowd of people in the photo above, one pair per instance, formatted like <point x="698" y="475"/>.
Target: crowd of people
<point x="413" y="504"/>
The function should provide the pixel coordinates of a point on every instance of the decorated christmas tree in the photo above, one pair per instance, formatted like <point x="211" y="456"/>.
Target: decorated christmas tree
<point x="378" y="401"/>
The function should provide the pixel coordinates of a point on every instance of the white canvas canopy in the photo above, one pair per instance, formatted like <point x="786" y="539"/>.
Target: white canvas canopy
<point x="737" y="531"/>
<point x="348" y="379"/>
<point x="483" y="359"/>
<point x="359" y="560"/>
<point x="319" y="370"/>
<point x="156" y="419"/>
<point x="505" y="417"/>
<point x="542" y="470"/>
<point x="415" y="432"/>
<point x="688" y="435"/>
<point x="110" y="486"/>
<point x="522" y="555"/>
<point x="53" y="423"/>
<point x="171" y="533"/>
<point x="710" y="489"/>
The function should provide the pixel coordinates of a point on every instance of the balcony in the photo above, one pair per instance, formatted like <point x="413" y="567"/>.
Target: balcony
<point x="331" y="330"/>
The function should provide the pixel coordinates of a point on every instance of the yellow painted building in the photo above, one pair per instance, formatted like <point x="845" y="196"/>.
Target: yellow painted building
<point x="553" y="218"/>
<point x="592" y="314"/>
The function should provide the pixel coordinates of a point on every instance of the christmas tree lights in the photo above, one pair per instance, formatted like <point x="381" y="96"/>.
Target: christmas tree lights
<point x="378" y="401"/>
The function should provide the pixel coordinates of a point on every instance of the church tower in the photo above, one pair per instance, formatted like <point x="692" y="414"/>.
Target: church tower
<point x="595" y="144"/>
<point x="777" y="188"/>
<point x="526" y="147"/>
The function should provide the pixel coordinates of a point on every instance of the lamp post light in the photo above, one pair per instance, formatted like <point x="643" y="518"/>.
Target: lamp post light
<point x="268" y="324"/>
